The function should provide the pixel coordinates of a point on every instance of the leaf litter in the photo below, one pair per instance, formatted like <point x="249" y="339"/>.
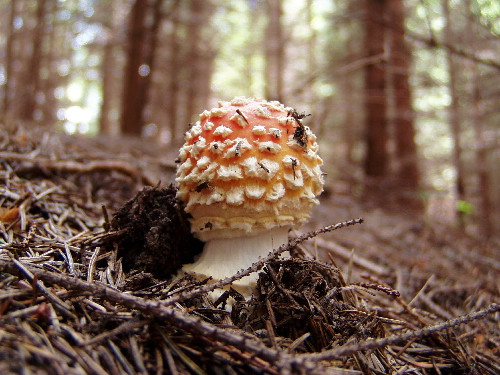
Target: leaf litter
<point x="87" y="251"/>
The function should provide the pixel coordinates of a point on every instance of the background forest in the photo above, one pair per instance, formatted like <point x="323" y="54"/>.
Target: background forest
<point x="404" y="95"/>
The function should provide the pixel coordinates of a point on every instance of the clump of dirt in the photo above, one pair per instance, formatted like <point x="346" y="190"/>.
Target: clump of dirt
<point x="300" y="296"/>
<point x="155" y="234"/>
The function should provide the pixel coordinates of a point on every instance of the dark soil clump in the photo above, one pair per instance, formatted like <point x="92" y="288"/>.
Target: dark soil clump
<point x="299" y="296"/>
<point x="156" y="236"/>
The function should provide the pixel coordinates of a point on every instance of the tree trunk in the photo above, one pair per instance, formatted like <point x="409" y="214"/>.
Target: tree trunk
<point x="312" y="64"/>
<point x="400" y="57"/>
<point x="194" y="56"/>
<point x="376" y="158"/>
<point x="172" y="95"/>
<point x="150" y="54"/>
<point x="133" y="102"/>
<point x="485" y="217"/>
<point x="274" y="52"/>
<point x="9" y="56"/>
<point x="454" y="116"/>
<point x="52" y="54"/>
<point x="107" y="66"/>
<point x="250" y="52"/>
<point x="31" y="82"/>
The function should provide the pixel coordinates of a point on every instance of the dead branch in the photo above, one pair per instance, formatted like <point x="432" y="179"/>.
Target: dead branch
<point x="261" y="262"/>
<point x="347" y="350"/>
<point x="154" y="309"/>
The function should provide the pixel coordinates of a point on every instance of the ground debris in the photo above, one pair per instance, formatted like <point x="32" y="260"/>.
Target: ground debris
<point x="70" y="303"/>
<point x="153" y="224"/>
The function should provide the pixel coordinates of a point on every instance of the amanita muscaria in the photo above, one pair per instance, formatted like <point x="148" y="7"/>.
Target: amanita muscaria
<point x="249" y="171"/>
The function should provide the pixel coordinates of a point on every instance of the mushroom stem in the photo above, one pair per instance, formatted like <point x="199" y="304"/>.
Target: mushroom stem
<point x="223" y="257"/>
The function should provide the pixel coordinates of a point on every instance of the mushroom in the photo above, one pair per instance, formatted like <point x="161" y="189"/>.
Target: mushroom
<point x="249" y="172"/>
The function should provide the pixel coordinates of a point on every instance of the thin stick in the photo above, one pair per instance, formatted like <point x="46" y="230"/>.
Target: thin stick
<point x="260" y="263"/>
<point x="152" y="308"/>
<point x="347" y="350"/>
<point x="30" y="275"/>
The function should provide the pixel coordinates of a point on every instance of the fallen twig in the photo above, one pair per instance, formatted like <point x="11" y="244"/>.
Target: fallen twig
<point x="261" y="262"/>
<point x="154" y="309"/>
<point x="347" y="350"/>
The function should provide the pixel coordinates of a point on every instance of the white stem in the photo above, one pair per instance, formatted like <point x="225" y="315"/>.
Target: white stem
<point x="224" y="257"/>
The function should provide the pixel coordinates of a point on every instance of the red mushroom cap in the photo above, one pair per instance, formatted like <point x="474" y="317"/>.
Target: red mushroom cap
<point x="248" y="166"/>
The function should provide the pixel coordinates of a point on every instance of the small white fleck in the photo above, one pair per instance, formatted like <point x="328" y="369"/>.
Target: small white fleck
<point x="307" y="171"/>
<point x="237" y="118"/>
<point x="262" y="112"/>
<point x="240" y="146"/>
<point x="208" y="125"/>
<point x="183" y="154"/>
<point x="283" y="121"/>
<point x="293" y="144"/>
<point x="254" y="191"/>
<point x="184" y="167"/>
<point x="311" y="155"/>
<point x="209" y="173"/>
<point x="264" y="169"/>
<point x="216" y="147"/>
<point x="193" y="177"/>
<point x="240" y="101"/>
<point x="290" y="161"/>
<point x="205" y="114"/>
<point x="218" y="112"/>
<point x="195" y="130"/>
<point x="259" y="130"/>
<point x="229" y="172"/>
<point x="268" y="146"/>
<point x="275" y="132"/>
<point x="235" y="196"/>
<point x="294" y="180"/>
<point x="203" y="162"/>
<point x="274" y="105"/>
<point x="198" y="146"/>
<point x="222" y="130"/>
<point x="277" y="192"/>
<point x="216" y="196"/>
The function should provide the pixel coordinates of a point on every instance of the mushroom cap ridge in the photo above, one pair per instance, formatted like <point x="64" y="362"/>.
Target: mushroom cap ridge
<point x="246" y="167"/>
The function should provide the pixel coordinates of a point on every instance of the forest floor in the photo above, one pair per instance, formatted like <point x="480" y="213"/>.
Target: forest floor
<point x="395" y="294"/>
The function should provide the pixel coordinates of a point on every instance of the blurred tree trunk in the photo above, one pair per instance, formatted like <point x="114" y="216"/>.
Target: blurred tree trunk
<point x="206" y="73"/>
<point x="110" y="24"/>
<point x="133" y="89"/>
<point x="152" y="43"/>
<point x="9" y="57"/>
<point x="31" y="81"/>
<point x="274" y="51"/>
<point x="197" y="13"/>
<point x="481" y="151"/>
<point x="52" y="80"/>
<point x="454" y="114"/>
<point x="349" y="131"/>
<point x="173" y="68"/>
<point x="348" y="84"/>
<point x="486" y="224"/>
<point x="312" y="64"/>
<point x="107" y="69"/>
<point x="376" y="158"/>
<point x="207" y="60"/>
<point x="250" y="52"/>
<point x="145" y="17"/>
<point x="400" y="59"/>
